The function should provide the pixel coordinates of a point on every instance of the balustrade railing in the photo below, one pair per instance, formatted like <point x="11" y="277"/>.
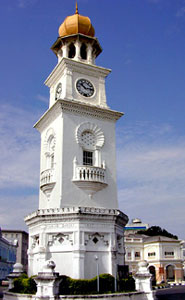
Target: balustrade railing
<point x="47" y="177"/>
<point x="89" y="173"/>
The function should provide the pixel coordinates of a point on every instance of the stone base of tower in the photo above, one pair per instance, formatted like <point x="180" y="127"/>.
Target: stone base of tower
<point x="77" y="239"/>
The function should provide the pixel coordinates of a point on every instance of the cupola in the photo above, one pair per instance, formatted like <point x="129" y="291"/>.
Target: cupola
<point x="76" y="24"/>
<point x="76" y="39"/>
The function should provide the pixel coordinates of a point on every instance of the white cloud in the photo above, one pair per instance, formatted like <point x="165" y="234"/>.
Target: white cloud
<point x="25" y="3"/>
<point x="151" y="175"/>
<point x="43" y="98"/>
<point x="19" y="161"/>
<point x="181" y="11"/>
<point x="128" y="61"/>
<point x="19" y="146"/>
<point x="14" y="208"/>
<point x="151" y="171"/>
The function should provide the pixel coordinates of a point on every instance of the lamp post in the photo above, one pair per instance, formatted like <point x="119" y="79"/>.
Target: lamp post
<point x="97" y="270"/>
<point x="115" y="278"/>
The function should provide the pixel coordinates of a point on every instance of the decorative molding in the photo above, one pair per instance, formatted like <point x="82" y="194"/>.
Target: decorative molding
<point x="96" y="239"/>
<point x="49" y="135"/>
<point x="71" y="213"/>
<point x="35" y="242"/>
<point x="76" y="107"/>
<point x="75" y="66"/>
<point x="93" y="128"/>
<point x="60" y="239"/>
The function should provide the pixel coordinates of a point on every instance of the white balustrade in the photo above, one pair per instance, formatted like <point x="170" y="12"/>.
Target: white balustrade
<point x="89" y="173"/>
<point x="47" y="177"/>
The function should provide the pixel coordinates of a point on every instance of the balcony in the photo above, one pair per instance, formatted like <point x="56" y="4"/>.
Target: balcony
<point x="89" y="178"/>
<point x="47" y="181"/>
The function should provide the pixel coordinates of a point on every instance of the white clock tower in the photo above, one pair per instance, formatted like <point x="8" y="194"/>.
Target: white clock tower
<point x="78" y="218"/>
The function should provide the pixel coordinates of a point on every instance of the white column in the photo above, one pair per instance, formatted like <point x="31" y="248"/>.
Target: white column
<point x="65" y="50"/>
<point x="89" y="54"/>
<point x="60" y="55"/>
<point x="97" y="158"/>
<point x="78" y="256"/>
<point x="102" y="93"/>
<point x="77" y="46"/>
<point x="68" y="84"/>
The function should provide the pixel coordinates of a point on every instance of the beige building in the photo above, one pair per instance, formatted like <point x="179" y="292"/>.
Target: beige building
<point x="22" y="239"/>
<point x="163" y="254"/>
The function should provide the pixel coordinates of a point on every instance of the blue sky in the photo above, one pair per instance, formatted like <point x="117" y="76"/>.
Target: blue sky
<point x="143" y="43"/>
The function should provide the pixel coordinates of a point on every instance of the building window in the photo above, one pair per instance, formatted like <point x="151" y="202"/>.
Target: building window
<point x="87" y="158"/>
<point x="129" y="255"/>
<point x="169" y="253"/>
<point x="72" y="51"/>
<point x="151" y="254"/>
<point x="137" y="255"/>
<point x="88" y="138"/>
<point x="83" y="51"/>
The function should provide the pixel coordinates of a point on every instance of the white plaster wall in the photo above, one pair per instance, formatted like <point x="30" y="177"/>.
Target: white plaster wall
<point x="118" y="296"/>
<point x="72" y="195"/>
<point x="69" y="75"/>
<point x="151" y="248"/>
<point x="55" y="198"/>
<point x="103" y="263"/>
<point x="77" y="252"/>
<point x="65" y="192"/>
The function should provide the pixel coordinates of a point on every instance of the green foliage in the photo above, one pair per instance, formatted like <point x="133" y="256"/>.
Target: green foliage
<point x="69" y="286"/>
<point x="106" y="283"/>
<point x="156" y="230"/>
<point x="24" y="285"/>
<point x="127" y="284"/>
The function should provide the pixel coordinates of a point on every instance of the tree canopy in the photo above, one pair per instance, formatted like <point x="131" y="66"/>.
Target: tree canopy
<point x="156" y="230"/>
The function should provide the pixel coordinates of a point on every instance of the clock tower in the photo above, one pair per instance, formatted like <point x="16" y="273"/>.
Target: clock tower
<point x="78" y="218"/>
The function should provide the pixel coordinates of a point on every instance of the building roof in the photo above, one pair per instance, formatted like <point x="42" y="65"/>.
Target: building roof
<point x="76" y="24"/>
<point x="13" y="231"/>
<point x="159" y="238"/>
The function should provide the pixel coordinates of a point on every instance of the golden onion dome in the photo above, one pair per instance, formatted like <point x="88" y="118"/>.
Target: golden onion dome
<point x="76" y="24"/>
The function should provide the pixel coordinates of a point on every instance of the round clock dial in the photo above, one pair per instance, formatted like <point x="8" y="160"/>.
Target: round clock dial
<point x="85" y="87"/>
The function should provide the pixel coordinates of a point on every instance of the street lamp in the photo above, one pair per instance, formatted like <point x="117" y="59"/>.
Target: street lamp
<point x="115" y="278"/>
<point x="97" y="270"/>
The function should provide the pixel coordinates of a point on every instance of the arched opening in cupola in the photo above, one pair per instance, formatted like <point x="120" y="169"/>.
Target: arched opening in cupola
<point x="83" y="51"/>
<point x="72" y="51"/>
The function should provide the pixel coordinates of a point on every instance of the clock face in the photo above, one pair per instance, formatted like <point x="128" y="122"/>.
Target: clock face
<point x="85" y="87"/>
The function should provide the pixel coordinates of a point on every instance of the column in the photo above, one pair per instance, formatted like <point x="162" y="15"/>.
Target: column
<point x="68" y="84"/>
<point x="77" y="46"/>
<point x="89" y="54"/>
<point x="102" y="93"/>
<point x="65" y="50"/>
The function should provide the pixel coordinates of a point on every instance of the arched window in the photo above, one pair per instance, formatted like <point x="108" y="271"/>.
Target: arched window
<point x="72" y="51"/>
<point x="91" y="139"/>
<point x="51" y="148"/>
<point x="83" y="51"/>
<point x="170" y="272"/>
<point x="153" y="273"/>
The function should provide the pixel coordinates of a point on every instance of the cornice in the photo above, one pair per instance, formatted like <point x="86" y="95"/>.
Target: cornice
<point x="77" y="66"/>
<point x="76" y="107"/>
<point x="67" y="214"/>
<point x="161" y="242"/>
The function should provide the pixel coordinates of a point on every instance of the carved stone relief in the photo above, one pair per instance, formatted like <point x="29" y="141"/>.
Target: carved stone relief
<point x="60" y="239"/>
<point x="96" y="239"/>
<point x="35" y="241"/>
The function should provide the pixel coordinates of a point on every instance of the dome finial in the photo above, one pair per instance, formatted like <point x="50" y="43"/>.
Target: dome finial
<point x="76" y="12"/>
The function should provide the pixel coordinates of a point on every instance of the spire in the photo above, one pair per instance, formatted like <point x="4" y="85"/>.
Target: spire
<point x="76" y="12"/>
